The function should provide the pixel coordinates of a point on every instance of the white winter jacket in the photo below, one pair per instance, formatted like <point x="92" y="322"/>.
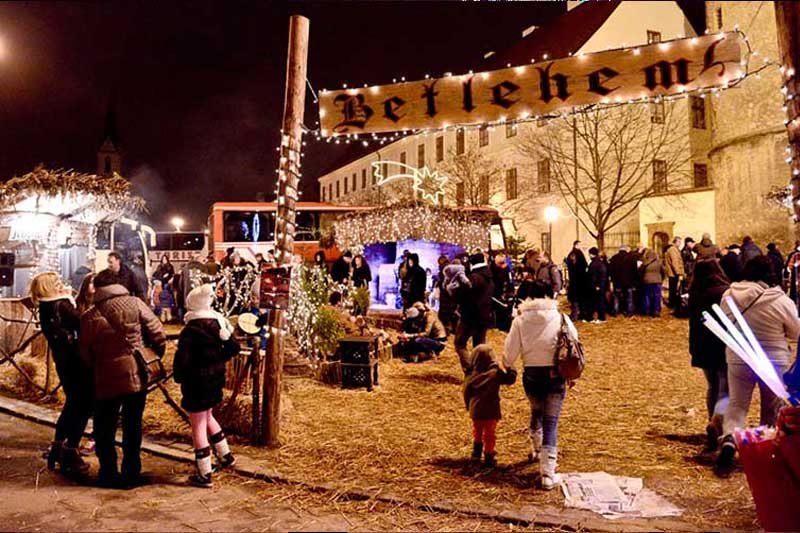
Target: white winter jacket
<point x="773" y="319"/>
<point x="534" y="333"/>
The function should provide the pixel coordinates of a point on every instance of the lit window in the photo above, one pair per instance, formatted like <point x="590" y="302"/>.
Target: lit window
<point x="657" y="112"/>
<point x="653" y="36"/>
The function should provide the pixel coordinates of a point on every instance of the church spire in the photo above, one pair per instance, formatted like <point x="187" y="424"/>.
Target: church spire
<point x="109" y="158"/>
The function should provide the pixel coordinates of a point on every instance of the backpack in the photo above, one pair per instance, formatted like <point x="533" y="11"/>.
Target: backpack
<point x="569" y="357"/>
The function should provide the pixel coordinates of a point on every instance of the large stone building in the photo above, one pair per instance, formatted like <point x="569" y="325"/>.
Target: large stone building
<point x="732" y="142"/>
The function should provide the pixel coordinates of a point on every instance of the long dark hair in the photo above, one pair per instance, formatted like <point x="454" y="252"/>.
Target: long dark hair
<point x="707" y="274"/>
<point x="164" y="256"/>
<point x="84" y="300"/>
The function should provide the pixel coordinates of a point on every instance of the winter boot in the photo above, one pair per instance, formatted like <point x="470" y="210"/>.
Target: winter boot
<point x="723" y="466"/>
<point x="221" y="450"/>
<point x="54" y="454"/>
<point x="72" y="462"/>
<point x="536" y="445"/>
<point x="202" y="478"/>
<point x="489" y="459"/>
<point x="547" y="467"/>
<point x="477" y="451"/>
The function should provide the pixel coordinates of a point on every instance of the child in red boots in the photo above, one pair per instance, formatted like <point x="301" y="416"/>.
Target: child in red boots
<point x="482" y="400"/>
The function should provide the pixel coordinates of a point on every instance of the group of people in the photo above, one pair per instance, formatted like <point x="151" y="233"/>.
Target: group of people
<point x="755" y="282"/>
<point x="100" y="340"/>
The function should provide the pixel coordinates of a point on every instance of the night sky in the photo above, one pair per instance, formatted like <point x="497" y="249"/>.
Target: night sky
<point x="198" y="86"/>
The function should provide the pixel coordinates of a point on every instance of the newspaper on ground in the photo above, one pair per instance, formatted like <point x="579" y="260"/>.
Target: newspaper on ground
<point x="614" y="496"/>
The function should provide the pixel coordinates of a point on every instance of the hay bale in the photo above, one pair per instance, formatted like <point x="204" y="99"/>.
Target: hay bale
<point x="239" y="419"/>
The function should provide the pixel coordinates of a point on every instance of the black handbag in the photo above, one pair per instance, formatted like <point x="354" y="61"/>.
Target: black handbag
<point x="151" y="368"/>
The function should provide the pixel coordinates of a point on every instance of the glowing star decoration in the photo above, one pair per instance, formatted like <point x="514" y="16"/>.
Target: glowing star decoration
<point x="427" y="183"/>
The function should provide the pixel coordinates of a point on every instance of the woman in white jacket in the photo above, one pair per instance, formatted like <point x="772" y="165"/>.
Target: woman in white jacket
<point x="773" y="318"/>
<point x="533" y="337"/>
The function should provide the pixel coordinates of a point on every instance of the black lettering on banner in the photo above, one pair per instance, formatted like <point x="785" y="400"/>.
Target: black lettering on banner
<point x="354" y="112"/>
<point x="596" y="84"/>
<point x="663" y="70"/>
<point x="708" y="58"/>
<point x="390" y="106"/>
<point x="466" y="92"/>
<point x="502" y="91"/>
<point x="430" y="98"/>
<point x="545" y="90"/>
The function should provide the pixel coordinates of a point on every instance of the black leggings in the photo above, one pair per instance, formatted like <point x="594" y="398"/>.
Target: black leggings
<point x="79" y="391"/>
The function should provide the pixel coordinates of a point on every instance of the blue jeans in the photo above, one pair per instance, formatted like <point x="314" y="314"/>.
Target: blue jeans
<point x="546" y="394"/>
<point x="427" y="344"/>
<point x="651" y="299"/>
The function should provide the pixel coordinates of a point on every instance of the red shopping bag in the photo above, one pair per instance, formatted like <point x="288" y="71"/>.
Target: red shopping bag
<point x="772" y="472"/>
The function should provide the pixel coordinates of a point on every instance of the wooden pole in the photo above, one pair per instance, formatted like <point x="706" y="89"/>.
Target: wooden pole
<point x="288" y="178"/>
<point x="787" y="19"/>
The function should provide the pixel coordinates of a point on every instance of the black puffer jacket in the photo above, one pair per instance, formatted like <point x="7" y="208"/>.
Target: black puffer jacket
<point x="707" y="350"/>
<point x="199" y="364"/>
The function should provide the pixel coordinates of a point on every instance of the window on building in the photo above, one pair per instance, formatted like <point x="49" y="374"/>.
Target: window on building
<point x="363" y="178"/>
<point x="322" y="193"/>
<point x="653" y="36"/>
<point x="440" y="148"/>
<point x="483" y="190"/>
<point x="460" y="193"/>
<point x="511" y="130"/>
<point x="330" y="192"/>
<point x="354" y="182"/>
<point x="420" y="156"/>
<point x="511" y="184"/>
<point x="719" y="18"/>
<point x="337" y="189"/>
<point x="546" y="241"/>
<point x="460" y="141"/>
<point x="657" y="112"/>
<point x="698" y="110"/>
<point x="659" y="175"/>
<point x="700" y="175"/>
<point x="107" y="165"/>
<point x="374" y="174"/>
<point x="403" y="158"/>
<point x="543" y="175"/>
<point x="346" y="184"/>
<point x="483" y="136"/>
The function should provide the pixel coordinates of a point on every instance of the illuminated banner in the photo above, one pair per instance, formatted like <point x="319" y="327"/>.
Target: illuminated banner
<point x="668" y="68"/>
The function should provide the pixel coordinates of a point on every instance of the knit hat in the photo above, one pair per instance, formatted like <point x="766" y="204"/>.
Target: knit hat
<point x="412" y="312"/>
<point x="477" y="259"/>
<point x="198" y="305"/>
<point x="200" y="298"/>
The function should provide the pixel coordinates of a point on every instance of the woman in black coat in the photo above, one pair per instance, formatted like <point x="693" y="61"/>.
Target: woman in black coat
<point x="414" y="282"/>
<point x="361" y="272"/>
<point x="165" y="271"/>
<point x="708" y="352"/>
<point x="204" y="346"/>
<point x="60" y="322"/>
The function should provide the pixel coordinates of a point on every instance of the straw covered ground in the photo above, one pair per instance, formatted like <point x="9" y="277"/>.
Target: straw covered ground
<point x="638" y="410"/>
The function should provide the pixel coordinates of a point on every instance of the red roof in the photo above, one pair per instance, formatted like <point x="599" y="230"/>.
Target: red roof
<point x="565" y="35"/>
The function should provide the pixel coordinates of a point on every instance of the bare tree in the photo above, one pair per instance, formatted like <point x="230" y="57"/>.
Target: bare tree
<point x="471" y="175"/>
<point x="604" y="162"/>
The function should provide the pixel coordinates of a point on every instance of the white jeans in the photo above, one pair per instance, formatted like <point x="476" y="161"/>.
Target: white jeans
<point x="741" y="382"/>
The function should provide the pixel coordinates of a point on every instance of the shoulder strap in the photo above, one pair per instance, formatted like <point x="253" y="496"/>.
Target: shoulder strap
<point x="753" y="302"/>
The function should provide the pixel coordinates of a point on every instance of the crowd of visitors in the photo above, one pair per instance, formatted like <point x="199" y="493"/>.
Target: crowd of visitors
<point x="103" y="333"/>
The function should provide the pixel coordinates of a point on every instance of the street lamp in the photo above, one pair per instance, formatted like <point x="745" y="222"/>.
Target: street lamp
<point x="550" y="216"/>
<point x="178" y="223"/>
